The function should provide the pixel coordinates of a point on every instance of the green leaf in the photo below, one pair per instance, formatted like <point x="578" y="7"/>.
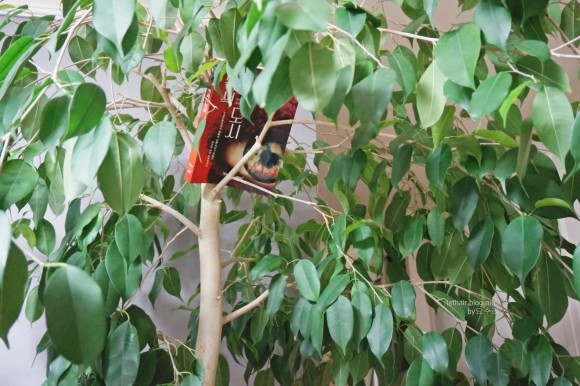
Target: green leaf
<point x="316" y="325"/>
<point x="112" y="20"/>
<point x="277" y="290"/>
<point x="420" y="373"/>
<point x="479" y="243"/>
<point x="489" y="95"/>
<point x="575" y="144"/>
<point x="45" y="237"/>
<point x="10" y="57"/>
<point x="436" y="227"/>
<point x="498" y="369"/>
<point x="522" y="11"/>
<point x="576" y="267"/>
<point x="372" y="94"/>
<point x="163" y="12"/>
<point x="401" y="163"/>
<point x="307" y="280"/>
<point x="34" y="308"/>
<point x="86" y="109"/>
<point x="159" y="145"/>
<point x="192" y="48"/>
<point x="571" y="20"/>
<point x="223" y="372"/>
<point x="305" y="15"/>
<point x="510" y="100"/>
<point x="430" y="97"/>
<point x="457" y="52"/>
<point x="553" y="119"/>
<point x="313" y="76"/>
<point x="540" y="360"/>
<point x="381" y="332"/>
<point x="429" y="7"/>
<point x="79" y="333"/>
<point x="363" y="314"/>
<point x="121" y="355"/>
<point x="477" y="350"/>
<point x="13" y="278"/>
<point x="229" y="23"/>
<point x="116" y="266"/>
<point x="129" y="236"/>
<point x="535" y="48"/>
<point x="547" y="73"/>
<point x="406" y="76"/>
<point x="434" y="350"/>
<point x="17" y="180"/>
<point x="449" y="305"/>
<point x="495" y="22"/>
<point x="90" y="150"/>
<point x="444" y="124"/>
<point x="403" y="300"/>
<point x="437" y="164"/>
<point x="266" y="264"/>
<point x="172" y="282"/>
<point x="521" y="245"/>
<point x="464" y="198"/>
<point x="551" y="291"/>
<point x="340" y="321"/>
<point x="349" y="21"/>
<point x="121" y="175"/>
<point x="497" y="137"/>
<point x="54" y="121"/>
<point x="333" y="290"/>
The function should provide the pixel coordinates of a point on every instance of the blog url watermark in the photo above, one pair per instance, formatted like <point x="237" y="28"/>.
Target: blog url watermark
<point x="473" y="307"/>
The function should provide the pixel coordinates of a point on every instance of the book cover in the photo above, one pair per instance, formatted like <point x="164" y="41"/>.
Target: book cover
<point x="226" y="136"/>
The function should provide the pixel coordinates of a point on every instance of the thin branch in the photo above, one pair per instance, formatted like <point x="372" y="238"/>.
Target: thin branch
<point x="234" y="255"/>
<point x="409" y="35"/>
<point x="67" y="41"/>
<point x="359" y="44"/>
<point x="6" y="141"/>
<point x="577" y="38"/>
<point x="245" y="309"/>
<point x="175" y="214"/>
<point x="563" y="35"/>
<point x="240" y="164"/>
<point x="181" y="127"/>
<point x="565" y="56"/>
<point x="515" y="70"/>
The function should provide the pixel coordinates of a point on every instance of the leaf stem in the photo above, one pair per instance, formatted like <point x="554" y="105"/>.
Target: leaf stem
<point x="173" y="213"/>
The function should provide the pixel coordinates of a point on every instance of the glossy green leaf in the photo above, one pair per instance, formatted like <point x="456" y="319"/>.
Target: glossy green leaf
<point x="129" y="236"/>
<point x="576" y="268"/>
<point x="90" y="150"/>
<point x="495" y="22"/>
<point x="316" y="64"/>
<point x="509" y="101"/>
<point x="192" y="49"/>
<point x="477" y="350"/>
<point x="457" y="52"/>
<point x="307" y="280"/>
<point x="13" y="278"/>
<point x="406" y="76"/>
<point x="117" y="267"/>
<point x="548" y="73"/>
<point x="340" y="321"/>
<point x="436" y="227"/>
<point x="305" y="15"/>
<point x="316" y="326"/>
<point x="522" y="11"/>
<point x="17" y="180"/>
<point x="571" y="20"/>
<point x="163" y="12"/>
<point x="122" y="355"/>
<point x="363" y="316"/>
<point x="403" y="300"/>
<point x="349" y="21"/>
<point x="429" y="6"/>
<point x="434" y="351"/>
<point x="540" y="360"/>
<point x="479" y="243"/>
<point x="333" y="290"/>
<point x="39" y="201"/>
<point x="277" y="290"/>
<point x="381" y="332"/>
<point x="489" y="95"/>
<point x="33" y="308"/>
<point x="159" y="145"/>
<point x="535" y="48"/>
<point x="223" y="372"/>
<point x="498" y="369"/>
<point x="172" y="282"/>
<point x="54" y="121"/>
<point x="464" y="198"/>
<point x="575" y="145"/>
<point x="112" y="20"/>
<point x="553" y="119"/>
<point x="15" y="50"/>
<point x="449" y="305"/>
<point x="86" y="109"/>
<point x="442" y="127"/>
<point x="521" y="244"/>
<point x="551" y="291"/>
<point x="121" y="175"/>
<point x="437" y="164"/>
<point x="420" y="373"/>
<point x="45" y="237"/>
<point x="372" y="94"/>
<point x="79" y="333"/>
<point x="401" y="163"/>
<point x="430" y="97"/>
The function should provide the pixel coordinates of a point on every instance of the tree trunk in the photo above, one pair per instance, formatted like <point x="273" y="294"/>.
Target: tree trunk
<point x="210" y="274"/>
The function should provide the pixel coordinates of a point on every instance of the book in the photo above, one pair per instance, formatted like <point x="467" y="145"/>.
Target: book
<point x="225" y="136"/>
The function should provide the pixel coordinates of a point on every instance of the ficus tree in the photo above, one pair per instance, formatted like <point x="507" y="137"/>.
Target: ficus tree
<point x="481" y="162"/>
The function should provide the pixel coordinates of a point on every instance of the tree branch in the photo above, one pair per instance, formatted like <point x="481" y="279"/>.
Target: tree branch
<point x="63" y="50"/>
<point x="245" y="309"/>
<point x="6" y="140"/>
<point x="409" y="35"/>
<point x="181" y="127"/>
<point x="175" y="214"/>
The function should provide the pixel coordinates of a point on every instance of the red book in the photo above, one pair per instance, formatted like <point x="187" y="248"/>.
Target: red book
<point x="226" y="136"/>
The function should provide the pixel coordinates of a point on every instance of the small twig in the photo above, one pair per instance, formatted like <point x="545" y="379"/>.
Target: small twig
<point x="67" y="41"/>
<point x="565" y="56"/>
<point x="175" y="214"/>
<point x="565" y="44"/>
<point x="245" y="309"/>
<point x="181" y="127"/>
<point x="514" y="69"/>
<point x="409" y="35"/>
<point x="253" y="150"/>
<point x="359" y="44"/>
<point x="6" y="141"/>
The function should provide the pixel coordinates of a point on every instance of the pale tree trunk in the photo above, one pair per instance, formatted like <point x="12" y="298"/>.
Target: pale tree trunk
<point x="209" y="331"/>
